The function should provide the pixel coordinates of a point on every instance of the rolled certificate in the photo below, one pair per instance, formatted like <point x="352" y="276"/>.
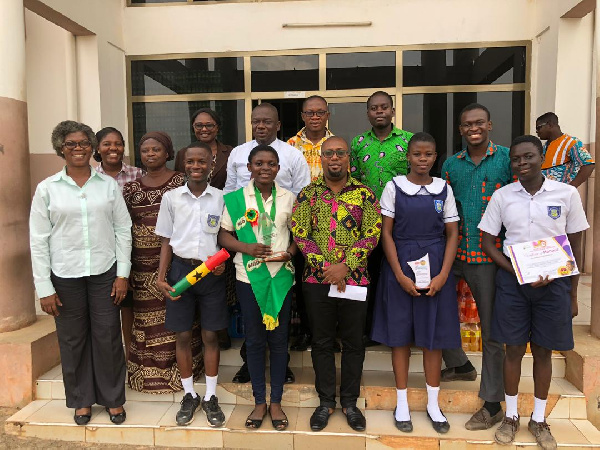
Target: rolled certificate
<point x="200" y="272"/>
<point x="420" y="267"/>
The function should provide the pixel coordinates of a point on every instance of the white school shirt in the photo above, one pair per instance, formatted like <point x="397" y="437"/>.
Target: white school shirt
<point x="78" y="231"/>
<point x="284" y="204"/>
<point x="553" y="210"/>
<point x="191" y="223"/>
<point x="293" y="175"/>
<point x="388" y="198"/>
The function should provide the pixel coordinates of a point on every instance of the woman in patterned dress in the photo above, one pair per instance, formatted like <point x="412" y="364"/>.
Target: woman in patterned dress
<point x="151" y="366"/>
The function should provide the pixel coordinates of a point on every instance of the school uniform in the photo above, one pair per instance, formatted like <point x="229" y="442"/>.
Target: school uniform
<point x="192" y="225"/>
<point x="522" y="313"/>
<point x="420" y="214"/>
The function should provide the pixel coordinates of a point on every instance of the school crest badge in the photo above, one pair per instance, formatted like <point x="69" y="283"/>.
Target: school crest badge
<point x="439" y="206"/>
<point x="554" y="212"/>
<point x="212" y="220"/>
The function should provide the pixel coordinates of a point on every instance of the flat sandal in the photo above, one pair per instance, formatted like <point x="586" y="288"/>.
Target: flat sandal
<point x="279" y="424"/>
<point x="255" y="424"/>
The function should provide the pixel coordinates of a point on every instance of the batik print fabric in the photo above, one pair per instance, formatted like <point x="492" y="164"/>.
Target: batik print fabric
<point x="334" y="228"/>
<point x="152" y="367"/>
<point x="563" y="157"/>
<point x="374" y="162"/>
<point x="473" y="186"/>
<point x="311" y="151"/>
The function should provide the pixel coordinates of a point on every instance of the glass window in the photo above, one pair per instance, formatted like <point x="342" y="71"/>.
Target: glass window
<point x="187" y="76"/>
<point x="437" y="114"/>
<point x="174" y="118"/>
<point x="133" y="2"/>
<point x="494" y="65"/>
<point x="285" y="73"/>
<point x="348" y="120"/>
<point x="361" y="70"/>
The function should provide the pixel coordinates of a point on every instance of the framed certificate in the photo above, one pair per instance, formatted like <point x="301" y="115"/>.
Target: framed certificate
<point x="551" y="256"/>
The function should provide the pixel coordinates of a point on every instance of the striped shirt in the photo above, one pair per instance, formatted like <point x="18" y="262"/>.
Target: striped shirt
<point x="126" y="175"/>
<point x="563" y="157"/>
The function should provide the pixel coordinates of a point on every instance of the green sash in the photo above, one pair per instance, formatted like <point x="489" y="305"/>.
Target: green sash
<point x="270" y="292"/>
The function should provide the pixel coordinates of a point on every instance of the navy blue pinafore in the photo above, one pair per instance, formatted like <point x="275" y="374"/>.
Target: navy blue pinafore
<point x="400" y="319"/>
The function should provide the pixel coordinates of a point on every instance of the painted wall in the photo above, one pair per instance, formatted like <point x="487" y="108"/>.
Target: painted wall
<point x="259" y="26"/>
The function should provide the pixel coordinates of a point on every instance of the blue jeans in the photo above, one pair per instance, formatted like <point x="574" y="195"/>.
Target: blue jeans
<point x="257" y="338"/>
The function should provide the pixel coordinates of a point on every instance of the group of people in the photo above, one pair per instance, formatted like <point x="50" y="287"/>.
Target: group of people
<point x="304" y="219"/>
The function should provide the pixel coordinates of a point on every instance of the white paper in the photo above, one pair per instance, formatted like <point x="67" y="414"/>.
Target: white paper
<point x="551" y="256"/>
<point x="358" y="293"/>
<point x="420" y="268"/>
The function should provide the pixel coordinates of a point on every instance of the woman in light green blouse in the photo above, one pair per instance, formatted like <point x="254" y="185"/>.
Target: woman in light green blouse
<point x="80" y="237"/>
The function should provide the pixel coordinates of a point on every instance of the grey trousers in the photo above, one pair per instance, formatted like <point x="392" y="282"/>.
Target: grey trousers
<point x="481" y="278"/>
<point x="89" y="337"/>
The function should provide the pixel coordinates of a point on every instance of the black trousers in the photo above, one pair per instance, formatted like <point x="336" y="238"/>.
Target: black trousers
<point x="327" y="315"/>
<point x="89" y="337"/>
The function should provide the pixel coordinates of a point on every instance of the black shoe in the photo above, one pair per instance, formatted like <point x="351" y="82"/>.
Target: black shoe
<point x="368" y="342"/>
<point x="82" y="419"/>
<point x="224" y="340"/>
<point x="405" y="426"/>
<point x="242" y="375"/>
<point x="440" y="427"/>
<point x="189" y="405"/>
<point x="214" y="414"/>
<point x="355" y="418"/>
<point x="289" y="375"/>
<point x="118" y="418"/>
<point x="336" y="347"/>
<point x="302" y="343"/>
<point x="319" y="418"/>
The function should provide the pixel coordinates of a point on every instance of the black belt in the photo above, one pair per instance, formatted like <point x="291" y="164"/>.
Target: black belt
<point x="191" y="262"/>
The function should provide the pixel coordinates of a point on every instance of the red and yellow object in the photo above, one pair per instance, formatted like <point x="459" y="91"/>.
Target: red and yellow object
<point x="200" y="272"/>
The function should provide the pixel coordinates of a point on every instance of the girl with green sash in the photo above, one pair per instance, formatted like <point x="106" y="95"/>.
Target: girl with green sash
<point x="255" y="225"/>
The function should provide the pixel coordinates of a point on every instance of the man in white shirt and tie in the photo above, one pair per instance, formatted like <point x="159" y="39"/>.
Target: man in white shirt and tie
<point x="293" y="175"/>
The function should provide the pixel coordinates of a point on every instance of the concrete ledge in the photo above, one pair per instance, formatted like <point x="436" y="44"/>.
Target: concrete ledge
<point x="26" y="354"/>
<point x="583" y="370"/>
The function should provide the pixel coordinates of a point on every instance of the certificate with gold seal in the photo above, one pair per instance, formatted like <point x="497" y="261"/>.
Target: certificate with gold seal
<point x="551" y="256"/>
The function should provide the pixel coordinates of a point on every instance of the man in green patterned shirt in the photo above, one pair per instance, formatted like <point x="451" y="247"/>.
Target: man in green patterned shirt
<point x="475" y="173"/>
<point x="378" y="155"/>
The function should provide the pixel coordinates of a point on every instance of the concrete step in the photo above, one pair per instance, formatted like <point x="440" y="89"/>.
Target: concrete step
<point x="378" y="391"/>
<point x="379" y="358"/>
<point x="153" y="423"/>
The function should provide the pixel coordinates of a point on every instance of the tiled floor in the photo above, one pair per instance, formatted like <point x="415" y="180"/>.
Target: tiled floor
<point x="152" y="423"/>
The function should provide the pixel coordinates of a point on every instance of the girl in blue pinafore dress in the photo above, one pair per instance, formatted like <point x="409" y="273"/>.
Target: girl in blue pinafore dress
<point x="419" y="218"/>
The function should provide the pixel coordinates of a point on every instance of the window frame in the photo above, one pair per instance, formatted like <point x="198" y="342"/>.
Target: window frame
<point x="397" y="92"/>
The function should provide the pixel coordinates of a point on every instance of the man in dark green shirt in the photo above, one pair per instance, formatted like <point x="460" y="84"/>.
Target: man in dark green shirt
<point x="475" y="173"/>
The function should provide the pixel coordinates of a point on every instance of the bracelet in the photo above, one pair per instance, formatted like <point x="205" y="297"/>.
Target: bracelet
<point x="124" y="278"/>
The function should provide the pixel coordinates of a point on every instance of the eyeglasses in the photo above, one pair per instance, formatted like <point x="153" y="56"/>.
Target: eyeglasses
<point x="339" y="153"/>
<point x="537" y="127"/>
<point x="208" y="126"/>
<point x="319" y="113"/>
<point x="72" y="145"/>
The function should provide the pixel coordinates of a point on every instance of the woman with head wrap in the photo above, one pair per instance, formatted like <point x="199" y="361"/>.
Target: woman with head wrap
<point x="151" y="366"/>
<point x="80" y="236"/>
